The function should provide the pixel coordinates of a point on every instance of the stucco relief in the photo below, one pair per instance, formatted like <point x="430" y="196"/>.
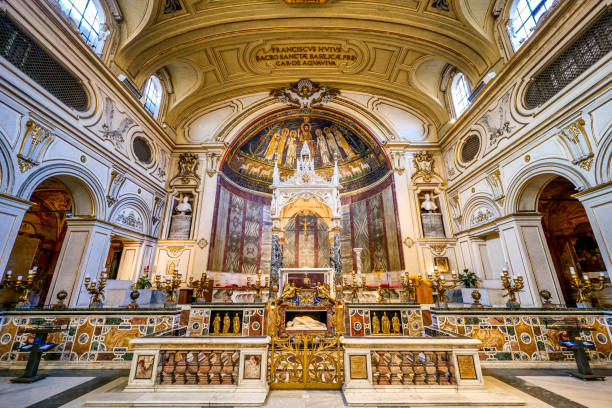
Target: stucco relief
<point x="115" y="124"/>
<point x="498" y="121"/>
<point x="129" y="218"/>
<point x="481" y="215"/>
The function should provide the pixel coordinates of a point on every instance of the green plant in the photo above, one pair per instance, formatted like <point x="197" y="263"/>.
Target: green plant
<point x="468" y="279"/>
<point x="143" y="282"/>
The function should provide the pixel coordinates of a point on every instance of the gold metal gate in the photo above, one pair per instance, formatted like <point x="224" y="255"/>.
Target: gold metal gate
<point x="306" y="362"/>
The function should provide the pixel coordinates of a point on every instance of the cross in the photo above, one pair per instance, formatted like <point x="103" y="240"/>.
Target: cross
<point x="305" y="224"/>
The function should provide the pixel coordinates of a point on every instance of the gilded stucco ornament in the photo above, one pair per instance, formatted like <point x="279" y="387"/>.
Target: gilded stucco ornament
<point x="35" y="142"/>
<point x="424" y="165"/>
<point x="188" y="166"/>
<point x="305" y="94"/>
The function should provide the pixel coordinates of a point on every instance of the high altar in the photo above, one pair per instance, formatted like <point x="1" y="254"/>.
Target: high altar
<point x="312" y="330"/>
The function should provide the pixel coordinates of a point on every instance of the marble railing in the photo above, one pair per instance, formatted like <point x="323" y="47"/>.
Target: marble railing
<point x="525" y="334"/>
<point x="86" y="336"/>
<point x="166" y="362"/>
<point x="412" y="367"/>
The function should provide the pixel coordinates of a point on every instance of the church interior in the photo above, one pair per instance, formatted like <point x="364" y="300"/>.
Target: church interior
<point x="305" y="203"/>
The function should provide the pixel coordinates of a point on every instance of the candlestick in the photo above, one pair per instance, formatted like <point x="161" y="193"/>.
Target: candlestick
<point x="170" y="286"/>
<point x="200" y="286"/>
<point x="512" y="287"/>
<point x="22" y="286"/>
<point x="96" y="290"/>
<point x="584" y="288"/>
<point x="439" y="286"/>
<point x="410" y="286"/>
<point x="355" y="286"/>
<point x="257" y="286"/>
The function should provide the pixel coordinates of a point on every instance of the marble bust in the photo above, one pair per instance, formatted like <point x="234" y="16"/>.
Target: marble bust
<point x="428" y="204"/>
<point x="305" y="323"/>
<point x="184" y="206"/>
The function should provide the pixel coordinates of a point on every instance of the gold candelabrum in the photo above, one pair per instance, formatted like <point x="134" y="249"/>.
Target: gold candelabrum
<point x="199" y="286"/>
<point x="169" y="285"/>
<point x="96" y="290"/>
<point x="410" y="286"/>
<point x="382" y="292"/>
<point x="439" y="285"/>
<point x="585" y="287"/>
<point x="20" y="285"/>
<point x="355" y="286"/>
<point x="257" y="286"/>
<point x="512" y="287"/>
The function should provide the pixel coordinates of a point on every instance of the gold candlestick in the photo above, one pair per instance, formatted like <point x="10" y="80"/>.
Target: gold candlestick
<point x="355" y="286"/>
<point x="96" y="290"/>
<point x="410" y="286"/>
<point x="22" y="286"/>
<point x="382" y="292"/>
<point x="585" y="287"/>
<point x="440" y="286"/>
<point x="257" y="286"/>
<point x="169" y="285"/>
<point x="199" y="286"/>
<point x="512" y="287"/>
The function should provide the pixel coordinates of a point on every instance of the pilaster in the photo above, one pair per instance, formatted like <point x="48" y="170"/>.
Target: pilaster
<point x="12" y="210"/>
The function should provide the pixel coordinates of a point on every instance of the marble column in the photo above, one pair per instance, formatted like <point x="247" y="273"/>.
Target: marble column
<point x="597" y="202"/>
<point x="527" y="254"/>
<point x="83" y="254"/>
<point x="12" y="210"/>
<point x="276" y="263"/>
<point x="335" y="254"/>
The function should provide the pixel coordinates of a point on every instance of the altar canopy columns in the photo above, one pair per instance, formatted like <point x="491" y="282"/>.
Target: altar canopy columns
<point x="276" y="262"/>
<point x="11" y="214"/>
<point x="335" y="254"/>
<point x="527" y="254"/>
<point x="82" y="255"/>
<point x="597" y="203"/>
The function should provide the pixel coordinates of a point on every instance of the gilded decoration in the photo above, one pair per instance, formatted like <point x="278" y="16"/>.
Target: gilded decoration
<point x="305" y="94"/>
<point x="34" y="144"/>
<point x="280" y="138"/>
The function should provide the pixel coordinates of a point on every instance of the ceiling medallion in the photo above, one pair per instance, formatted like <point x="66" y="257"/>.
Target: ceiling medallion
<point x="305" y="94"/>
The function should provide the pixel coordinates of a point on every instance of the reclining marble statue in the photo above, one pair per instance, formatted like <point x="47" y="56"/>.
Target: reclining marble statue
<point x="305" y="322"/>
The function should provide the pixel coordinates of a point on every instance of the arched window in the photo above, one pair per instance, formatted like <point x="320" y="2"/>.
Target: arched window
<point x="460" y="91"/>
<point x="524" y="18"/>
<point x="153" y="95"/>
<point x="89" y="18"/>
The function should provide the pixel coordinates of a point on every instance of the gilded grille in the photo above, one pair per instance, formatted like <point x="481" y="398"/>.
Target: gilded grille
<point x="592" y="45"/>
<point x="27" y="55"/>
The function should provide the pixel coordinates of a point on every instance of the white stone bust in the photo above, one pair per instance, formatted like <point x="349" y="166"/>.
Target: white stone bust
<point x="184" y="206"/>
<point x="428" y="204"/>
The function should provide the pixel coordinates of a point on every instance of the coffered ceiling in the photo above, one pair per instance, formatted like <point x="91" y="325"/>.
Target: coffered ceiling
<point x="215" y="50"/>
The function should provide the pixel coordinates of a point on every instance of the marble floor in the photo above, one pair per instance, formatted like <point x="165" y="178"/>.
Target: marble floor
<point x="538" y="388"/>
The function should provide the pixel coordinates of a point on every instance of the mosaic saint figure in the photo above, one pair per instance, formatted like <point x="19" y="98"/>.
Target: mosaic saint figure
<point x="217" y="324"/>
<point x="226" y="324"/>
<point x="269" y="155"/>
<point x="342" y="142"/>
<point x="291" y="148"/>
<point x="306" y="134"/>
<point x="375" y="324"/>
<point x="236" y="326"/>
<point x="331" y="142"/>
<point x="396" y="323"/>
<point x="280" y="146"/>
<point x="322" y="147"/>
<point x="386" y="324"/>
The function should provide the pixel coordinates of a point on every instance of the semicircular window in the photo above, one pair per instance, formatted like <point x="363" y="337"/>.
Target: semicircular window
<point x="592" y="45"/>
<point x="27" y="55"/>
<point x="142" y="150"/>
<point x="470" y="148"/>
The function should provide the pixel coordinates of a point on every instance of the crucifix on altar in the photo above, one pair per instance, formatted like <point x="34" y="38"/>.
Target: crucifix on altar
<point x="305" y="223"/>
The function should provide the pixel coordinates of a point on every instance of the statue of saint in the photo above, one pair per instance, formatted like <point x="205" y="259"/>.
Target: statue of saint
<point x="396" y="324"/>
<point x="226" y="324"/>
<point x="428" y="205"/>
<point x="375" y="324"/>
<point x="236" y="325"/>
<point x="305" y="323"/>
<point x="184" y="206"/>
<point x="386" y="324"/>
<point x="216" y="324"/>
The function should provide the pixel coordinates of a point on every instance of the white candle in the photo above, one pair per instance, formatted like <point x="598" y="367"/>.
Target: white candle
<point x="585" y="277"/>
<point x="453" y="273"/>
<point x="19" y="277"/>
<point x="601" y="274"/>
<point x="9" y="273"/>
<point x="35" y="268"/>
<point x="572" y="270"/>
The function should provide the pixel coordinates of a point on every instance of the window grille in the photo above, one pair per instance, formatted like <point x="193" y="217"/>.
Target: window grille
<point x="470" y="148"/>
<point x="24" y="53"/>
<point x="592" y="45"/>
<point x="142" y="150"/>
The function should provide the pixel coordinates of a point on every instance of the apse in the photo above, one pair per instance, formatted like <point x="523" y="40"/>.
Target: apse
<point x="242" y="225"/>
